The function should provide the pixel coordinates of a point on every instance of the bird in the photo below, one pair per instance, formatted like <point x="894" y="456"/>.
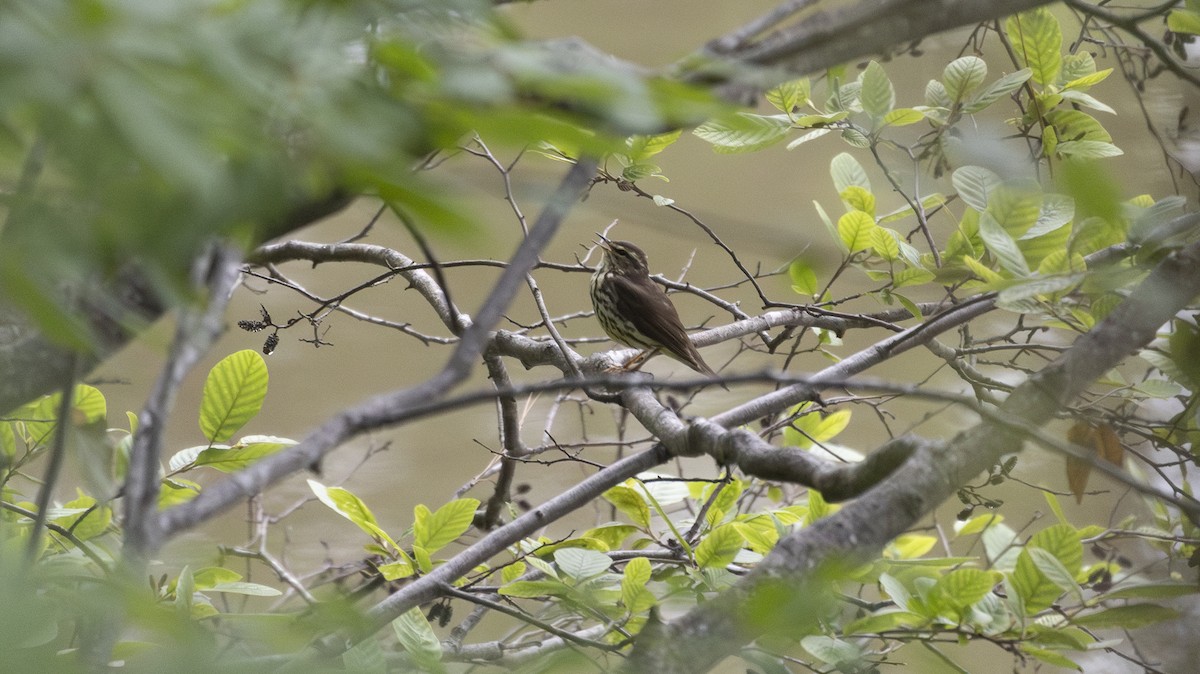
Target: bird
<point x="635" y="311"/>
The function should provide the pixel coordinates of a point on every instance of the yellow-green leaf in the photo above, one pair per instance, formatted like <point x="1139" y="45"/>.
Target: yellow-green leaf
<point x="233" y="394"/>
<point x="631" y="503"/>
<point x="1037" y="40"/>
<point x="854" y="229"/>
<point x="435" y="530"/>
<point x="634" y="594"/>
<point x="804" y="278"/>
<point x="719" y="547"/>
<point x="903" y="117"/>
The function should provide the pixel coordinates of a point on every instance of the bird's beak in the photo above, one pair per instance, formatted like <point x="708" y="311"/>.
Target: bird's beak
<point x="604" y="243"/>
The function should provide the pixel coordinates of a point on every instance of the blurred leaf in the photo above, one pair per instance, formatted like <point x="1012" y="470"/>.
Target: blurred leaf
<point x="846" y="172"/>
<point x="743" y="132"/>
<point x="804" y="278"/>
<point x="419" y="641"/>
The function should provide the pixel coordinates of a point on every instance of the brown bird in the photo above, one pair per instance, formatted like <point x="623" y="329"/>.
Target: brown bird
<point x="635" y="311"/>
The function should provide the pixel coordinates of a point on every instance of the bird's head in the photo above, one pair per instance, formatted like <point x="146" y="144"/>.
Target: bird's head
<point x="622" y="257"/>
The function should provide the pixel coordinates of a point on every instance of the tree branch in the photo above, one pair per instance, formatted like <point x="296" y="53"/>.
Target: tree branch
<point x="859" y="530"/>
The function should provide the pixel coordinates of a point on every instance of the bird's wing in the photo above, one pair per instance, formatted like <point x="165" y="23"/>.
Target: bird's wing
<point x="653" y="314"/>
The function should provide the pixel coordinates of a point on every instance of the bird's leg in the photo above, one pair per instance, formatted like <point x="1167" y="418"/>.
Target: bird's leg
<point x="634" y="364"/>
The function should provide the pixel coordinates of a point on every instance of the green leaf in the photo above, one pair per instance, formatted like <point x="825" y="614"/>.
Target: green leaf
<point x="911" y="546"/>
<point x="910" y="305"/>
<point x="963" y="75"/>
<point x="896" y="590"/>
<point x="1062" y="541"/>
<point x="8" y="442"/>
<point x="90" y="520"/>
<point x="1037" y="40"/>
<point x="854" y="229"/>
<point x="1036" y="286"/>
<point x="789" y="96"/>
<point x="977" y="524"/>
<point x="846" y="171"/>
<point x="804" y="278"/>
<point x="1056" y="211"/>
<point x="346" y="504"/>
<point x="419" y="641"/>
<point x="644" y="147"/>
<point x="185" y="587"/>
<point x="1163" y="590"/>
<point x="397" y="570"/>
<point x="233" y="394"/>
<point x="997" y="90"/>
<point x="1016" y="205"/>
<point x="743" y="132"/>
<point x="719" y="547"/>
<point x="634" y="594"/>
<point x="1087" y="101"/>
<point x="434" y="531"/>
<point x="1037" y="589"/>
<point x="827" y="426"/>
<point x="811" y="135"/>
<point x="832" y="651"/>
<point x="878" y="95"/>
<point x="365" y="657"/>
<point x="886" y="620"/>
<point x="904" y="117"/>
<point x="580" y="563"/>
<point x="241" y="587"/>
<point x="819" y="121"/>
<point x="884" y="244"/>
<point x="630" y="502"/>
<point x="343" y="502"/>
<point x="956" y="591"/>
<point x="1054" y="570"/>
<point x="974" y="184"/>
<point x="530" y="589"/>
<point x="858" y="199"/>
<point x="911" y="276"/>
<point x="1184" y="21"/>
<point x="247" y="452"/>
<point x="725" y="500"/>
<point x="175" y="491"/>
<point x="88" y="406"/>
<point x="1049" y="657"/>
<point x="1001" y="244"/>
<point x="936" y="95"/>
<point x="1126" y="617"/>
<point x="1088" y="149"/>
<point x="855" y="138"/>
<point x="1000" y="543"/>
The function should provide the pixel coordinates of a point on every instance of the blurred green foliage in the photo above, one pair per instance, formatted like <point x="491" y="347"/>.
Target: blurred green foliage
<point x="133" y="131"/>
